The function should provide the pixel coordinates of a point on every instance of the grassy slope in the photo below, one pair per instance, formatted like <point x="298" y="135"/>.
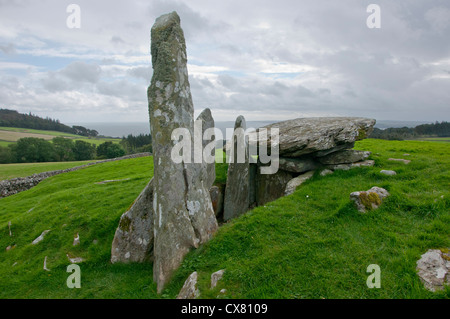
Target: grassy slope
<point x="8" y="171"/>
<point x="312" y="244"/>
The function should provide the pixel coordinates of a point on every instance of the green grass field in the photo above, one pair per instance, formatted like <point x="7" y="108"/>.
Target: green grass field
<point x="8" y="171"/>
<point x="311" y="244"/>
<point x="9" y="135"/>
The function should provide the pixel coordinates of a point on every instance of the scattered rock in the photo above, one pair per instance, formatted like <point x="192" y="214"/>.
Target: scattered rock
<point x="133" y="240"/>
<point x="345" y="157"/>
<point x="45" y="264"/>
<point x="326" y="172"/>
<point x="40" y="238"/>
<point x="183" y="214"/>
<point x="189" y="290"/>
<point x="74" y="260"/>
<point x="237" y="190"/>
<point x="399" y="160"/>
<point x="388" y="172"/>
<point x="9" y="226"/>
<point x="296" y="182"/>
<point x="406" y="154"/>
<point x="112" y="181"/>
<point x="433" y="268"/>
<point x="215" y="277"/>
<point x="369" y="200"/>
<point x="76" y="240"/>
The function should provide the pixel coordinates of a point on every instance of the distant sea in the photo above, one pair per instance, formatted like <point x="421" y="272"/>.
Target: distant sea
<point x="124" y="129"/>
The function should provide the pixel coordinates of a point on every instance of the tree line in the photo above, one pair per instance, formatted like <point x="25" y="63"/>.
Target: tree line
<point x="12" y="118"/>
<point x="60" y="149"/>
<point x="439" y="129"/>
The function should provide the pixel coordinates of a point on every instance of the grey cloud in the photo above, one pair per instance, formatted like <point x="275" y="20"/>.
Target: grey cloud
<point x="80" y="71"/>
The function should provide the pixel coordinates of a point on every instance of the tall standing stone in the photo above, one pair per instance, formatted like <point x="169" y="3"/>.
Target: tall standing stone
<point x="209" y="169"/>
<point x="237" y="191"/>
<point x="183" y="213"/>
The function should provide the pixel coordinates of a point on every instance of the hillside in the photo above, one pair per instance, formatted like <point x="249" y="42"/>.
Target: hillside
<point x="12" y="118"/>
<point x="311" y="244"/>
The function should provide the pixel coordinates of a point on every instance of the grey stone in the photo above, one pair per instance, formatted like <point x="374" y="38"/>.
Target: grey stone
<point x="369" y="200"/>
<point x="40" y="237"/>
<point x="326" y="172"/>
<point x="133" y="240"/>
<point x="189" y="289"/>
<point x="399" y="160"/>
<point x="45" y="264"/>
<point x="388" y="172"/>
<point x="345" y="157"/>
<point x="296" y="182"/>
<point x="209" y="171"/>
<point x="215" y="277"/>
<point x="345" y="167"/>
<point x="296" y="165"/>
<point x="74" y="260"/>
<point x="76" y="240"/>
<point x="321" y="135"/>
<point x="237" y="190"/>
<point x="183" y="214"/>
<point x="270" y="187"/>
<point x="433" y="268"/>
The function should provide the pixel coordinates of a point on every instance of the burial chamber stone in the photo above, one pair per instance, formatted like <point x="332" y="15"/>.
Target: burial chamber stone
<point x="183" y="213"/>
<point x="319" y="136"/>
<point x="133" y="240"/>
<point x="237" y="190"/>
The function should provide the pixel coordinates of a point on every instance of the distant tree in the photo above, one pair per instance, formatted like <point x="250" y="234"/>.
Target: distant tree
<point x="31" y="150"/>
<point x="109" y="150"/>
<point x="64" y="148"/>
<point x="6" y="155"/>
<point x="83" y="151"/>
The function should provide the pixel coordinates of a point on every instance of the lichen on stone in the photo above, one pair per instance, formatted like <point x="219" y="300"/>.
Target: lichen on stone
<point x="369" y="199"/>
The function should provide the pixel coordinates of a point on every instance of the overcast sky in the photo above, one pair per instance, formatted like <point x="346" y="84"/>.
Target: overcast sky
<point x="266" y="60"/>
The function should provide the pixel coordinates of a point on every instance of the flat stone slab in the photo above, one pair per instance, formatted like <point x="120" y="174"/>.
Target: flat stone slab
<point x="399" y="160"/>
<point x="319" y="136"/>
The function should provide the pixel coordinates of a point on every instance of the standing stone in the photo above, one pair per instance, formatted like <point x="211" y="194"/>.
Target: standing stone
<point x="183" y="213"/>
<point x="237" y="199"/>
<point x="133" y="240"/>
<point x="209" y="171"/>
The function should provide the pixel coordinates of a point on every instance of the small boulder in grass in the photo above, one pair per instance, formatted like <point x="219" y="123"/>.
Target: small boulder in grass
<point x="369" y="200"/>
<point x="388" y="172"/>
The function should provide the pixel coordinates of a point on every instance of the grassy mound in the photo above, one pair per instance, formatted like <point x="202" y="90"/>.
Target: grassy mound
<point x="311" y="244"/>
